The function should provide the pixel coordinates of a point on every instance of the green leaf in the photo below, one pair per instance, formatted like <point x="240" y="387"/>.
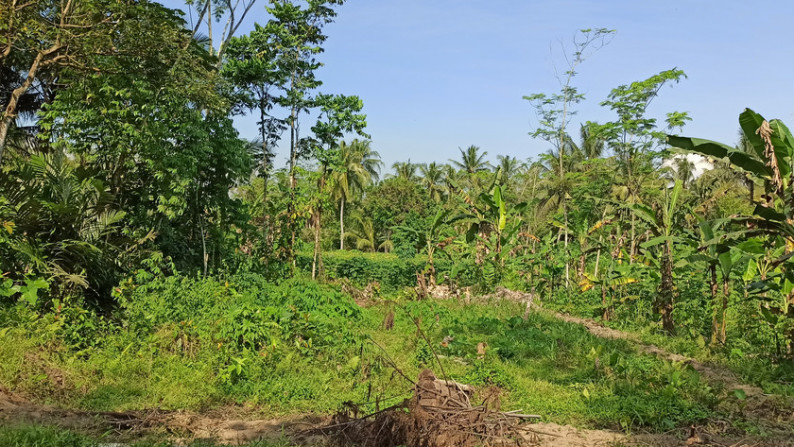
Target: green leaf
<point x="755" y="246"/>
<point x="655" y="241"/>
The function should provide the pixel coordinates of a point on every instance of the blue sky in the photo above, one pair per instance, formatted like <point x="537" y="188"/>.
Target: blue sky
<point x="443" y="74"/>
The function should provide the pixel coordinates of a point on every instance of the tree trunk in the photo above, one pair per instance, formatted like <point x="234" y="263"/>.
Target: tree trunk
<point x="293" y="161"/>
<point x="342" y="223"/>
<point x="664" y="304"/>
<point x="567" y="263"/>
<point x="714" y="287"/>
<point x="317" y="220"/>
<point x="631" y="241"/>
<point x="726" y="291"/>
<point x="265" y="168"/>
<point x="606" y="309"/>
<point x="431" y="268"/>
<point x="11" y="108"/>
<point x="598" y="257"/>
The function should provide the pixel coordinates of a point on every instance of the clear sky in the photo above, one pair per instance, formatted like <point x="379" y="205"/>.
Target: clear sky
<point x="442" y="74"/>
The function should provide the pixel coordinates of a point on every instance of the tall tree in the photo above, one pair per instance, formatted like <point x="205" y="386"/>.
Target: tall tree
<point x="405" y="170"/>
<point x="358" y="166"/>
<point x="554" y="112"/>
<point x="339" y="114"/>
<point x="297" y="36"/>
<point x="432" y="177"/>
<point x="45" y="37"/>
<point x="634" y="136"/>
<point x="472" y="160"/>
<point x="662" y="224"/>
<point x="251" y="69"/>
<point x="206" y="11"/>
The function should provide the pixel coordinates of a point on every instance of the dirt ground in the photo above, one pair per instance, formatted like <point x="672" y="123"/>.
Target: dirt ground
<point x="128" y="426"/>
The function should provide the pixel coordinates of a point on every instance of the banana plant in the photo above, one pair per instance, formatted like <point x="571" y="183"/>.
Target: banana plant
<point x="720" y="259"/>
<point x="492" y="224"/>
<point x="661" y="225"/>
<point x="432" y="239"/>
<point x="770" y="228"/>
<point x="489" y="214"/>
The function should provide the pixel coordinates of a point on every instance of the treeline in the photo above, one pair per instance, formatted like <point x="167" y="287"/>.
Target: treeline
<point x="119" y="157"/>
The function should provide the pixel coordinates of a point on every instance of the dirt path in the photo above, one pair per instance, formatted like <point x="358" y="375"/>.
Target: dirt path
<point x="236" y="430"/>
<point x="710" y="372"/>
<point x="230" y="428"/>
<point x="129" y="426"/>
<point x="713" y="373"/>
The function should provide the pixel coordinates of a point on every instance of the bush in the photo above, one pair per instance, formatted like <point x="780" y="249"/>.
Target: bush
<point x="243" y="313"/>
<point x="391" y="271"/>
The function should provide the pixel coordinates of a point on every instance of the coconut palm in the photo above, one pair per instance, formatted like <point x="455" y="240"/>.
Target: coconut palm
<point x="684" y="170"/>
<point x="358" y="167"/>
<point x="510" y="166"/>
<point x="592" y="144"/>
<point x="405" y="170"/>
<point x="472" y="160"/>
<point x="432" y="178"/>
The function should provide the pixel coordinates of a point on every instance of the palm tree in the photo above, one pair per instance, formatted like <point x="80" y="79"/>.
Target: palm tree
<point x="432" y="177"/>
<point x="592" y="143"/>
<point x="451" y="178"/>
<point x="363" y="234"/>
<point x="472" y="161"/>
<point x="358" y="167"/>
<point x="684" y="170"/>
<point x="405" y="170"/>
<point x="510" y="167"/>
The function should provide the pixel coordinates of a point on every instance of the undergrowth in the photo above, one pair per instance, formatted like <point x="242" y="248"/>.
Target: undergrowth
<point x="743" y="352"/>
<point x="299" y="346"/>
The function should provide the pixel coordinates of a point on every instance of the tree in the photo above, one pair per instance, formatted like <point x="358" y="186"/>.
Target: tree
<point x="432" y="179"/>
<point x="634" y="136"/>
<point x="405" y="170"/>
<point x="554" y="111"/>
<point x="472" y="160"/>
<point x="154" y="128"/>
<point x="490" y="217"/>
<point x="66" y="227"/>
<point x="46" y="37"/>
<point x="213" y="10"/>
<point x="297" y="37"/>
<point x="339" y="114"/>
<point x="431" y="238"/>
<point x="510" y="168"/>
<point x="592" y="142"/>
<point x="358" y="166"/>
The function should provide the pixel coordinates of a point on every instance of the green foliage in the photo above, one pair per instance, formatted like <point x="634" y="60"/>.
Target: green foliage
<point x="391" y="271"/>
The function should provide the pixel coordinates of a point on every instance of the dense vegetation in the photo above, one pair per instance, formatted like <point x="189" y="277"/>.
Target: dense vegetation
<point x="150" y="257"/>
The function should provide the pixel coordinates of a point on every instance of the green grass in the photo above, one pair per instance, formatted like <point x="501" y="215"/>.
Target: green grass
<point x="322" y="355"/>
<point x="743" y="354"/>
